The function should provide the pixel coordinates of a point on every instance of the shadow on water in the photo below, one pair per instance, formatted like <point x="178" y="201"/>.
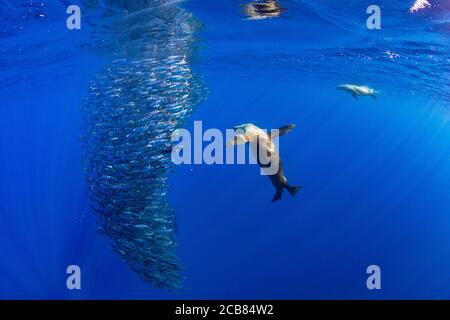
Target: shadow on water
<point x="134" y="104"/>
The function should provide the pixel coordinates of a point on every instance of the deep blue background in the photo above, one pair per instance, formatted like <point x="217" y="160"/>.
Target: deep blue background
<point x="375" y="177"/>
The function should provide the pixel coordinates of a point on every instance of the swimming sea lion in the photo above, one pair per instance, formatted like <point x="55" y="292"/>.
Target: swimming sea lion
<point x="358" y="91"/>
<point x="266" y="154"/>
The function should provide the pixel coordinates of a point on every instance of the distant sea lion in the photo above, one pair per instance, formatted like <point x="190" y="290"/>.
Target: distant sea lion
<point x="263" y="9"/>
<point x="358" y="91"/>
<point x="263" y="145"/>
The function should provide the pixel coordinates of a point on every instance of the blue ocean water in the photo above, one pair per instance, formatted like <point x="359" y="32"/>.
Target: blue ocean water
<point x="375" y="174"/>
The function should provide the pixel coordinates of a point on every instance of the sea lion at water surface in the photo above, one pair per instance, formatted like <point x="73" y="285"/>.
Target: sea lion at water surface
<point x="258" y="10"/>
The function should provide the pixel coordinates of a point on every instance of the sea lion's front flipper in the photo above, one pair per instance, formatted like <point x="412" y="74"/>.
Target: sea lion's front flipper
<point x="355" y="95"/>
<point x="282" y="131"/>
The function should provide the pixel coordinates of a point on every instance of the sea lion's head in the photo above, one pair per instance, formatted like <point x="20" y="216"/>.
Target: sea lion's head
<point x="241" y="134"/>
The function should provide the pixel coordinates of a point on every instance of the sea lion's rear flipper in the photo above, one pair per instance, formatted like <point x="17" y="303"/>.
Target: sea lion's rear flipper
<point x="282" y="131"/>
<point x="374" y="96"/>
<point x="292" y="190"/>
<point x="355" y="95"/>
<point x="277" y="195"/>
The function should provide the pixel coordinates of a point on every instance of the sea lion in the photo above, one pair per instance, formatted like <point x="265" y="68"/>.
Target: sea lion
<point x="263" y="145"/>
<point x="257" y="10"/>
<point x="358" y="91"/>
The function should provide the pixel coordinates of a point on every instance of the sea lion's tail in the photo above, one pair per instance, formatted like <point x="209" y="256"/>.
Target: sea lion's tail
<point x="277" y="195"/>
<point x="292" y="190"/>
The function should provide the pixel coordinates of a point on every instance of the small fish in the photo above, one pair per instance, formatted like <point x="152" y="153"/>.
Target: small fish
<point x="126" y="159"/>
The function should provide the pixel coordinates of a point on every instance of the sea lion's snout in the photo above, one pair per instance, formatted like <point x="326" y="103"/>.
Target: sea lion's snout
<point x="238" y="137"/>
